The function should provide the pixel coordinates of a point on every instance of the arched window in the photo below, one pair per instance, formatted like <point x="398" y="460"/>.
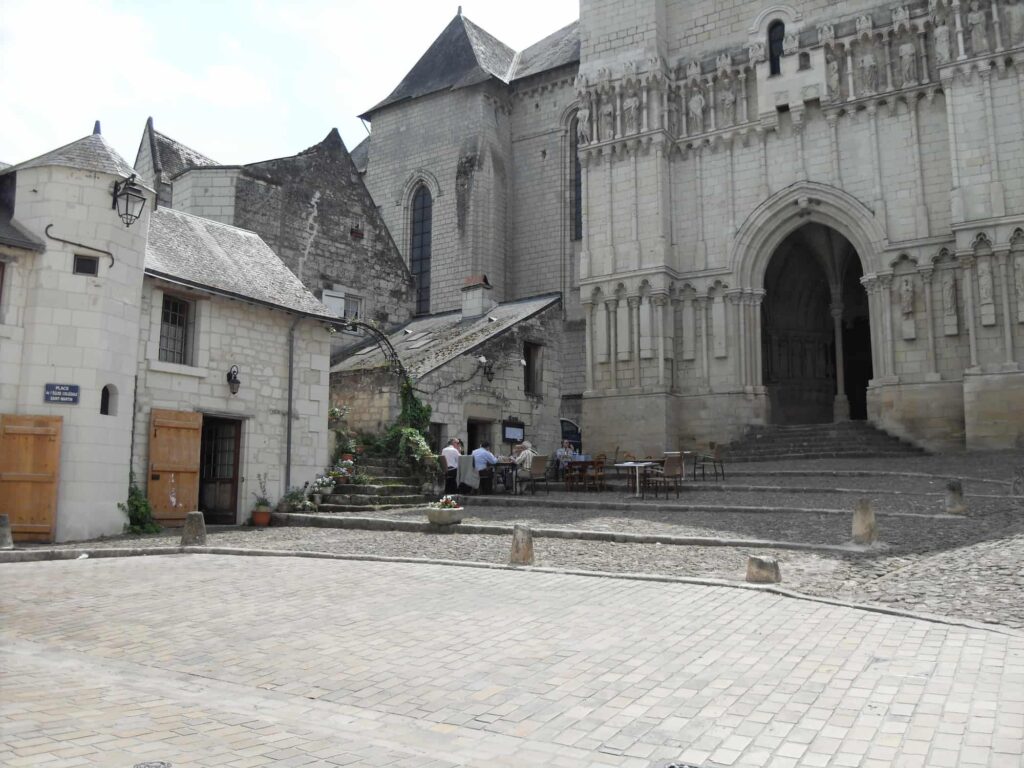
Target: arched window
<point x="776" y="34"/>
<point x="419" y="246"/>
<point x="575" y="183"/>
<point x="108" y="400"/>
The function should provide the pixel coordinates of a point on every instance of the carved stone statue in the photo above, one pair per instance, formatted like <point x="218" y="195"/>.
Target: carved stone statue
<point x="826" y="35"/>
<point x="977" y="23"/>
<point x="1018" y="283"/>
<point x="1015" y="18"/>
<point x="672" y="118"/>
<point x="907" y="295"/>
<point x="583" y="135"/>
<point x="607" y="120"/>
<point x="834" y="81"/>
<point x="908" y="63"/>
<point x="695" y="109"/>
<point x="942" y="53"/>
<point x="631" y="114"/>
<point x="868" y="71"/>
<point x="728" y="105"/>
<point x="985" y="282"/>
<point x="949" y="293"/>
<point x="756" y="52"/>
<point x="791" y="43"/>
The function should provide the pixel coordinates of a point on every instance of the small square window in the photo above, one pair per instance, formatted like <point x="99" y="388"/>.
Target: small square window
<point x="176" y="319"/>
<point x="344" y="305"/>
<point x="87" y="265"/>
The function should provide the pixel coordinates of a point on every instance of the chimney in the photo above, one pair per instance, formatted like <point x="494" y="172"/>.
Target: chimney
<point x="476" y="296"/>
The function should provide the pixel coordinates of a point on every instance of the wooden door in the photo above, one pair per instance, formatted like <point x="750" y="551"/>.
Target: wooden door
<point x="173" y="487"/>
<point x="29" y="474"/>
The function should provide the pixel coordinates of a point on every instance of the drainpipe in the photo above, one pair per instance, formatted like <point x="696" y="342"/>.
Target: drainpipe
<point x="291" y="387"/>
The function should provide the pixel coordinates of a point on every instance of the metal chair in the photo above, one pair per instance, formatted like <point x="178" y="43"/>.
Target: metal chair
<point x="671" y="473"/>
<point x="537" y="473"/>
<point x="712" y="457"/>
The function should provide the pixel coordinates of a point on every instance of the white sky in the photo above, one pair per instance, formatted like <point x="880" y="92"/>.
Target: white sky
<point x="238" y="81"/>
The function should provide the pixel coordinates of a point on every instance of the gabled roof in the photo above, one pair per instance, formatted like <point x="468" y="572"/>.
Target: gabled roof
<point x="555" y="50"/>
<point x="462" y="55"/>
<point x="361" y="155"/>
<point x="13" y="234"/>
<point x="172" y="157"/>
<point x="427" y="343"/>
<point x="202" y="253"/>
<point x="89" y="154"/>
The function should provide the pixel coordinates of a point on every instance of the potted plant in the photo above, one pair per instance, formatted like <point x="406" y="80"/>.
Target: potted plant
<point x="261" y="511"/>
<point x="444" y="511"/>
<point x="323" y="485"/>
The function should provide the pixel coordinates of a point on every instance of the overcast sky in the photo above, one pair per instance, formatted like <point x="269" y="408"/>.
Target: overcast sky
<point x="238" y="81"/>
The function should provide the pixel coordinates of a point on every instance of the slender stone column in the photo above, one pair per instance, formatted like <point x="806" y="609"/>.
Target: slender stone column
<point x="887" y="49"/>
<point x="956" y="199"/>
<point x="612" y="306"/>
<point x="634" y="233"/>
<point x="924" y="76"/>
<point x="868" y="281"/>
<point x="758" y="342"/>
<point x="832" y="118"/>
<point x="731" y="188"/>
<point x="798" y="131"/>
<point x="703" y="309"/>
<point x="610" y="214"/>
<point x="739" y="342"/>
<point x="701" y="257"/>
<point x="921" y="210"/>
<point x="959" y="22"/>
<point x="890" y="342"/>
<point x="712" y="104"/>
<point x="929" y="315"/>
<point x="634" y="318"/>
<point x="742" y="97"/>
<point x="876" y="164"/>
<point x="996" y="195"/>
<point x="601" y="332"/>
<point x="660" y="300"/>
<point x="585" y="202"/>
<point x="618" y="110"/>
<point x="1001" y="258"/>
<point x="765" y="187"/>
<point x="967" y="263"/>
<point x="997" y="26"/>
<point x="588" y="333"/>
<point x="849" y="71"/>
<point x="841" y="406"/>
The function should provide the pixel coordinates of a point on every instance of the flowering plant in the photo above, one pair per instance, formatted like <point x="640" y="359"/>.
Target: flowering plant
<point x="344" y="469"/>
<point x="305" y="506"/>
<point x="335" y="413"/>
<point x="446" y="502"/>
<point x="322" y="483"/>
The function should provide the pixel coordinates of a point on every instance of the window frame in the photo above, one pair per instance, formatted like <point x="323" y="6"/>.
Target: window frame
<point x="421" y="224"/>
<point x="347" y="297"/>
<point x="81" y="258"/>
<point x="775" y="47"/>
<point x="575" y="183"/>
<point x="186" y="336"/>
<point x="533" y="371"/>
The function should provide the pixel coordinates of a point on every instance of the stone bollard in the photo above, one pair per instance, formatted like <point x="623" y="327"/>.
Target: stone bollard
<point x="763" y="570"/>
<point x="522" y="546"/>
<point x="865" y="529"/>
<point x="6" y="542"/>
<point x="955" y="498"/>
<point x="194" y="532"/>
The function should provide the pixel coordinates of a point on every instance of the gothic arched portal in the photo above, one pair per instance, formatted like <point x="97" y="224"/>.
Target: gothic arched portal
<point x="816" y="342"/>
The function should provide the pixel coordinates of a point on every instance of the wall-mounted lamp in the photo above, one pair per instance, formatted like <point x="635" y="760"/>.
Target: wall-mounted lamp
<point x="129" y="200"/>
<point x="233" y="381"/>
<point x="488" y="367"/>
<point x="522" y="362"/>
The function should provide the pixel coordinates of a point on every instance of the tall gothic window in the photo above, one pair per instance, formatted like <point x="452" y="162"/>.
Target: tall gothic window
<point x="576" y="183"/>
<point x="776" y="34"/>
<point x="419" y="246"/>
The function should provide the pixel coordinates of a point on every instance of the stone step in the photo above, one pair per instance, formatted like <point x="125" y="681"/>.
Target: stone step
<point x="746" y="458"/>
<point x="369" y="499"/>
<point x="404" y="489"/>
<point x="830" y="446"/>
<point x="343" y="508"/>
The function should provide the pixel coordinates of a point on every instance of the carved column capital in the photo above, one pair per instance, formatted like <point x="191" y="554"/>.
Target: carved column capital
<point x="885" y="280"/>
<point x="926" y="272"/>
<point x="660" y="299"/>
<point x="611" y="304"/>
<point x="633" y="301"/>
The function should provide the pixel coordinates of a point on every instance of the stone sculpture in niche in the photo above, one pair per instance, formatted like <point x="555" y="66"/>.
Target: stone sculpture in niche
<point x="868" y="71"/>
<point x="791" y="43"/>
<point x="607" y="120"/>
<point x="907" y="295"/>
<point x="942" y="54"/>
<point x="583" y="123"/>
<point x="1018" y="284"/>
<point x="672" y="118"/>
<point x="978" y="24"/>
<point x="834" y="81"/>
<point x="756" y="52"/>
<point x="864" y="24"/>
<point x="695" y="109"/>
<point x="985" y="282"/>
<point x="1015" y="19"/>
<point x="631" y="113"/>
<point x="908" y="63"/>
<point x="728" y="105"/>
<point x="949" y="324"/>
<point x="826" y="35"/>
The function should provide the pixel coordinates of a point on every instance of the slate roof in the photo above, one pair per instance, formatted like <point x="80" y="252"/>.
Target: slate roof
<point x="11" y="233"/>
<point x="89" y="154"/>
<point x="228" y="260"/>
<point x="361" y="155"/>
<point x="427" y="343"/>
<point x="172" y="157"/>
<point x="555" y="50"/>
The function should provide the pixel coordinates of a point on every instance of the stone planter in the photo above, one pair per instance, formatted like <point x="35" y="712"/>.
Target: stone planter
<point x="438" y="516"/>
<point x="318" y="499"/>
<point x="261" y="516"/>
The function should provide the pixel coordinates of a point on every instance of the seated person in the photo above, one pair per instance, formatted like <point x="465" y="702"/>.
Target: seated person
<point x="483" y="462"/>
<point x="564" y="454"/>
<point x="450" y="453"/>
<point x="523" y="459"/>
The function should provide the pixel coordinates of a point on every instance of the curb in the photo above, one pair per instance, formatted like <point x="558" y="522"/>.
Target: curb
<point x="16" y="556"/>
<point x="854" y="473"/>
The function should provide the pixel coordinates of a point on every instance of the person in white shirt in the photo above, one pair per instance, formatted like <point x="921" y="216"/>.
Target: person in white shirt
<point x="451" y="453"/>
<point x="483" y="462"/>
<point x="524" y="460"/>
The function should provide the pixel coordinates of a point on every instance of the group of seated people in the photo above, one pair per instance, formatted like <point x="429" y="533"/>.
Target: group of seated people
<point x="483" y="464"/>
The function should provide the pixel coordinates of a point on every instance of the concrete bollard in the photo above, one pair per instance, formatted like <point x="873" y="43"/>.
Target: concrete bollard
<point x="865" y="529"/>
<point x="522" y="546"/>
<point x="763" y="570"/>
<point x="955" y="498"/>
<point x="6" y="542"/>
<point x="194" y="532"/>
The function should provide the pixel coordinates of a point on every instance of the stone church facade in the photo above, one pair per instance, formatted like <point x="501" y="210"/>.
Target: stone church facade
<point x="791" y="213"/>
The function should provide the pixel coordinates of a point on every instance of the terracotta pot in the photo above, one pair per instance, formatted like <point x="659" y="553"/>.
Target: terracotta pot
<point x="347" y="457"/>
<point x="261" y="516"/>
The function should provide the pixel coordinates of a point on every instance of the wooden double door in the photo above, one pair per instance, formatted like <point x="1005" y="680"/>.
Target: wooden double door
<point x="193" y="464"/>
<point x="29" y="474"/>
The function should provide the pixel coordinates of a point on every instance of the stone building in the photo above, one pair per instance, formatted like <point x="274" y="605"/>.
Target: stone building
<point x="117" y="348"/>
<point x="765" y="213"/>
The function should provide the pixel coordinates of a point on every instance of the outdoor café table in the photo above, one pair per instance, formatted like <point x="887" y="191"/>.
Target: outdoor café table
<point x="507" y="470"/>
<point x="580" y="464"/>
<point x="636" y="465"/>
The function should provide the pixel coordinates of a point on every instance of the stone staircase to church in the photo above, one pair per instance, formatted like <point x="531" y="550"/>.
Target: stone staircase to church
<point x="851" y="439"/>
<point x="392" y="487"/>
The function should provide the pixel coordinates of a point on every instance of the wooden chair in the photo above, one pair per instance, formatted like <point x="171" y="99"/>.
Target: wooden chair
<point x="596" y="472"/>
<point x="670" y="474"/>
<point x="537" y="473"/>
<point x="572" y="476"/>
<point x="713" y="457"/>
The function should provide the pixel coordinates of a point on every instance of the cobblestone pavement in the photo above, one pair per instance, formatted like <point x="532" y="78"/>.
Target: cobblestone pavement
<point x="995" y="465"/>
<point x="202" y="660"/>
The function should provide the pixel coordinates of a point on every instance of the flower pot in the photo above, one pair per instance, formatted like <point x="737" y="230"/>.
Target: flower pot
<point x="347" y="457"/>
<point x="261" y="515"/>
<point x="444" y="516"/>
<point x="318" y="499"/>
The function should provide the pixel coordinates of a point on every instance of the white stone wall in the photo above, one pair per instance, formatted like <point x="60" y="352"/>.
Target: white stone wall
<point x="207" y="192"/>
<point x="59" y="327"/>
<point x="255" y="339"/>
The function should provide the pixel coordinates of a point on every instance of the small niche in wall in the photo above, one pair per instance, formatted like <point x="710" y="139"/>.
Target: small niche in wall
<point x="86" y="265"/>
<point x="805" y="61"/>
<point x="108" y="400"/>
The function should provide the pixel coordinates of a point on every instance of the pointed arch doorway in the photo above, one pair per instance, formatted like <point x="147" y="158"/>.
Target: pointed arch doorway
<point x="816" y="338"/>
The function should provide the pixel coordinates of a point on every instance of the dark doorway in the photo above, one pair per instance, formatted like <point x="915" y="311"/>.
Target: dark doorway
<point x="814" y="271"/>
<point x="476" y="432"/>
<point x="218" y="470"/>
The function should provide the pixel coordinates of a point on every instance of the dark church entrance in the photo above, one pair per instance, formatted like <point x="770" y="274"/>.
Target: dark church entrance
<point x="816" y="339"/>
